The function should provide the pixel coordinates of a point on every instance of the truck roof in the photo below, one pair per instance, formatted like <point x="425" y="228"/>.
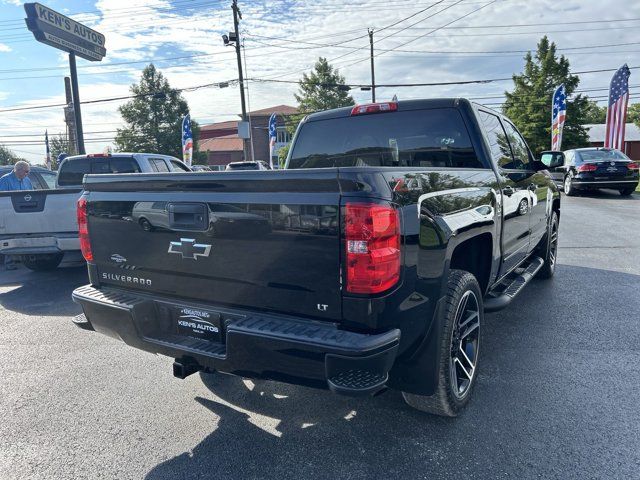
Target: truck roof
<point x="402" y="105"/>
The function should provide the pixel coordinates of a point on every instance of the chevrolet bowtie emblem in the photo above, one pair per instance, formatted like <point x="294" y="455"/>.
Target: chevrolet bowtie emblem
<point x="188" y="248"/>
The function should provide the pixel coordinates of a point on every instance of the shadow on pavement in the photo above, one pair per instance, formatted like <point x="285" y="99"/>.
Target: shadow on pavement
<point x="608" y="195"/>
<point x="41" y="293"/>
<point x="551" y="395"/>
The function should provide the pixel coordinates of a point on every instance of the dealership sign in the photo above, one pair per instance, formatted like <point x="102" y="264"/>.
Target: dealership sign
<point x="60" y="31"/>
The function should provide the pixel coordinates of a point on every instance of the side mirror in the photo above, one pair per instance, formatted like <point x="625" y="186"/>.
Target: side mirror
<point x="551" y="159"/>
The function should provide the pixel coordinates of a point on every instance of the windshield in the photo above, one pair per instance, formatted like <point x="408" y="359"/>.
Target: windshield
<point x="594" y="155"/>
<point x="417" y="138"/>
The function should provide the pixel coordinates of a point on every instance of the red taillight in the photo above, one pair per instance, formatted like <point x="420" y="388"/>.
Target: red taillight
<point x="372" y="234"/>
<point x="587" y="167"/>
<point x="633" y="166"/>
<point x="374" y="108"/>
<point x="83" y="230"/>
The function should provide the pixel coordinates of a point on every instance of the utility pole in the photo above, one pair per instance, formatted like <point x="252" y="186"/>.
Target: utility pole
<point x="237" y="15"/>
<point x="69" y="117"/>
<point x="76" y="103"/>
<point x="373" y="73"/>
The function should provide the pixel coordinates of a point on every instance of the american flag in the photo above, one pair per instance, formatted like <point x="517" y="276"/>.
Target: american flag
<point x="187" y="140"/>
<point x="272" y="137"/>
<point x="558" y="116"/>
<point x="617" y="108"/>
<point x="47" y="159"/>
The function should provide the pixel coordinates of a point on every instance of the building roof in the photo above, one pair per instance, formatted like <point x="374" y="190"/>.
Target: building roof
<point x="220" y="126"/>
<point x="279" y="109"/>
<point x="226" y="143"/>
<point x="597" y="131"/>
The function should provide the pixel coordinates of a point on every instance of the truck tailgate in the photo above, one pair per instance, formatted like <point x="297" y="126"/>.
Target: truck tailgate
<point x="38" y="211"/>
<point x="265" y="240"/>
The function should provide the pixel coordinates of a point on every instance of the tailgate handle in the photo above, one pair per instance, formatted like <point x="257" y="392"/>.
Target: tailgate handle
<point x="188" y="216"/>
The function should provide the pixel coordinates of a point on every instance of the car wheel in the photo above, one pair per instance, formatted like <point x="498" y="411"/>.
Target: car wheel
<point x="43" y="262"/>
<point x="146" y="226"/>
<point x="458" y="348"/>
<point x="523" y="207"/>
<point x="568" y="186"/>
<point x="625" y="192"/>
<point x="549" y="248"/>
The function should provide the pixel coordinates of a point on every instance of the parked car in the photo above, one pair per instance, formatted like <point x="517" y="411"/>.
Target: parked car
<point x="200" y="168"/>
<point x="41" y="225"/>
<point x="41" y="178"/>
<point x="405" y="227"/>
<point x="256" y="165"/>
<point x="588" y="169"/>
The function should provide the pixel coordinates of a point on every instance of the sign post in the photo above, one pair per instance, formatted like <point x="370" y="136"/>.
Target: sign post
<point x="61" y="32"/>
<point x="76" y="104"/>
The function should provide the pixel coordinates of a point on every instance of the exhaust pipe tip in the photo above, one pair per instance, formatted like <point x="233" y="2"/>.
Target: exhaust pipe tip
<point x="182" y="370"/>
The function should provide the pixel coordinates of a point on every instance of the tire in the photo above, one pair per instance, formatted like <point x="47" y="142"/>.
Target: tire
<point x="569" y="190"/>
<point x="43" y="262"/>
<point x="145" y="224"/>
<point x="625" y="192"/>
<point x="523" y="207"/>
<point x="549" y="249"/>
<point x="454" y="387"/>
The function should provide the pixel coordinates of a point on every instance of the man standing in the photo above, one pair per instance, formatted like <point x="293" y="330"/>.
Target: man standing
<point x="16" y="180"/>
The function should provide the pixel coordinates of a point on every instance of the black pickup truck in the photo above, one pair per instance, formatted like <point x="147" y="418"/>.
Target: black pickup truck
<point x="366" y="264"/>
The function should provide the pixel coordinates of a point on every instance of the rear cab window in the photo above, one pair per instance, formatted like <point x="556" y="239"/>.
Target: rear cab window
<point x="72" y="171"/>
<point x="435" y="137"/>
<point x="158" y="165"/>
<point x="178" y="167"/>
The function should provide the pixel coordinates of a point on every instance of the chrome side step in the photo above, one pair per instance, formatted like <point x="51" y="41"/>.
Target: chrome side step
<point x="512" y="285"/>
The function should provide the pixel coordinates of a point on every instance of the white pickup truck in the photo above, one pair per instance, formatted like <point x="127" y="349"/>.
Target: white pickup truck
<point x="40" y="226"/>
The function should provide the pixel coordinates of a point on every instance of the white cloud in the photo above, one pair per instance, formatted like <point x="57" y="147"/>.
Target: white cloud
<point x="4" y="48"/>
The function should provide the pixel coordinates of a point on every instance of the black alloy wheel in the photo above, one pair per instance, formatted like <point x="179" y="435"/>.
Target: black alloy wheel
<point x="465" y="342"/>
<point x="458" y="348"/>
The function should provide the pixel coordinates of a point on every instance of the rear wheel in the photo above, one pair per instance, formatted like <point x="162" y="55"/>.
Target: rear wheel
<point x="459" y="348"/>
<point x="39" y="263"/>
<point x="625" y="192"/>
<point x="549" y="248"/>
<point x="568" y="186"/>
<point x="145" y="224"/>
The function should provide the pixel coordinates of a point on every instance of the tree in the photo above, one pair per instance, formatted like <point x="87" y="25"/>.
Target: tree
<point x="595" y="114"/>
<point x="59" y="144"/>
<point x="633" y="113"/>
<point x="529" y="104"/>
<point x="154" y="117"/>
<point x="282" y="155"/>
<point x="7" y="157"/>
<point x="322" y="89"/>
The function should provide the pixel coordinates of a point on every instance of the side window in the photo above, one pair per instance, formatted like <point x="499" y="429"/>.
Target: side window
<point x="72" y="172"/>
<point x="49" y="178"/>
<point x="569" y="157"/>
<point x="498" y="143"/>
<point x="35" y="180"/>
<point x="124" y="165"/>
<point x="158" y="165"/>
<point x="521" y="159"/>
<point x="576" y="158"/>
<point x="177" y="166"/>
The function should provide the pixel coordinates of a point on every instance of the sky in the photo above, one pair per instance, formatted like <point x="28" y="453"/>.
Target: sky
<point x="417" y="41"/>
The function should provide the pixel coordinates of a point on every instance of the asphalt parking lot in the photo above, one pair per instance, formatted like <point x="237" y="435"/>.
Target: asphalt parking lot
<point x="557" y="396"/>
